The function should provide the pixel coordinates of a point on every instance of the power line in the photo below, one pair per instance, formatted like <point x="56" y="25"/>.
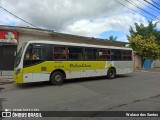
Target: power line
<point x="156" y="3"/>
<point x="140" y="8"/>
<point x="148" y="6"/>
<point x="133" y="10"/>
<point x="144" y="9"/>
<point x="152" y="4"/>
<point x="18" y="17"/>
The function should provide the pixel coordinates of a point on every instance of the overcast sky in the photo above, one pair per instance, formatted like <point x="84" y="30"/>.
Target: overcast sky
<point x="91" y="18"/>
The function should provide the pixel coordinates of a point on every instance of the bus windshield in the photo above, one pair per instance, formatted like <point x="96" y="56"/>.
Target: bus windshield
<point x="19" y="55"/>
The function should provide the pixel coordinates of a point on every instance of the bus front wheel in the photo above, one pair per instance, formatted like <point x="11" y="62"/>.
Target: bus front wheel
<point x="111" y="73"/>
<point x="57" y="78"/>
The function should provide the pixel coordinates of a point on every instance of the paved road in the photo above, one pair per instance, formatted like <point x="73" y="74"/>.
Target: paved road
<point x="138" y="91"/>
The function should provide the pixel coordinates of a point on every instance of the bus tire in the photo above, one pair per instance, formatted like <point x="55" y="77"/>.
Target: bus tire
<point x="111" y="74"/>
<point x="57" y="78"/>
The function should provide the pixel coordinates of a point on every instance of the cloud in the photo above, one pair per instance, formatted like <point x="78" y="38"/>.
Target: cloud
<point x="94" y="28"/>
<point x="80" y="17"/>
<point x="56" y="14"/>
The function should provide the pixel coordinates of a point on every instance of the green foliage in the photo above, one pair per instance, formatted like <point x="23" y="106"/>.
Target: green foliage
<point x="145" y="31"/>
<point x="146" y="47"/>
<point x="112" y="38"/>
<point x="145" y="40"/>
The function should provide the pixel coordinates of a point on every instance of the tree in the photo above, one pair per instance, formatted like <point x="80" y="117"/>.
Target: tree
<point x="145" y="31"/>
<point x="146" y="47"/>
<point x="145" y="40"/>
<point x="112" y="38"/>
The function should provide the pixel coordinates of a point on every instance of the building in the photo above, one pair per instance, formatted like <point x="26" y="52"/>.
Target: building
<point x="12" y="37"/>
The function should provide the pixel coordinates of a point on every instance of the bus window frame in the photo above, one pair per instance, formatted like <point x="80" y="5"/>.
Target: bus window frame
<point x="128" y="55"/>
<point x="80" y="55"/>
<point x="105" y="59"/>
<point x="61" y="53"/>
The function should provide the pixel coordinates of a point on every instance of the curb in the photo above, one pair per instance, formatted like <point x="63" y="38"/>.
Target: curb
<point x="153" y="71"/>
<point x="6" y="80"/>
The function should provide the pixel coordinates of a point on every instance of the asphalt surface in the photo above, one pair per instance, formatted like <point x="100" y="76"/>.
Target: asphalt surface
<point x="138" y="91"/>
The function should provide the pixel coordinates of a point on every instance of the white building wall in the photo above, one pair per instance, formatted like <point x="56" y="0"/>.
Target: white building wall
<point x="24" y="37"/>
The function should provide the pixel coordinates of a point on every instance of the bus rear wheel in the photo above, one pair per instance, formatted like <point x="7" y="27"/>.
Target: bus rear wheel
<point x="57" y="78"/>
<point x="111" y="73"/>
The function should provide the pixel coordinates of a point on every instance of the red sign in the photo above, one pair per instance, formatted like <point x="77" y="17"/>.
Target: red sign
<point x="8" y="36"/>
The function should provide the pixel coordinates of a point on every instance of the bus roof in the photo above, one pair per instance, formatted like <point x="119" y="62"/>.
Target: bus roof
<point x="76" y="44"/>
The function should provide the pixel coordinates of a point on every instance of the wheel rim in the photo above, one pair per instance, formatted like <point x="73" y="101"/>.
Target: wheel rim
<point x="111" y="73"/>
<point x="58" y="78"/>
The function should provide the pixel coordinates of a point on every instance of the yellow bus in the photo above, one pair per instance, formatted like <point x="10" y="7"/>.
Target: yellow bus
<point x="56" y="61"/>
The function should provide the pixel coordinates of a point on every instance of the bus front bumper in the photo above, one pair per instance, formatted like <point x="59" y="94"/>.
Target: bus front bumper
<point x="18" y="77"/>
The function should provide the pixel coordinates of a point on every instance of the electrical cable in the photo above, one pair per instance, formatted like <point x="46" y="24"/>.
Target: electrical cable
<point x="18" y="17"/>
<point x="140" y="8"/>
<point x="148" y="6"/>
<point x="156" y="3"/>
<point x="152" y="4"/>
<point x="133" y="10"/>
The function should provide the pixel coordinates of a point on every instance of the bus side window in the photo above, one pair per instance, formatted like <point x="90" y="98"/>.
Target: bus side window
<point x="116" y="54"/>
<point x="100" y="55"/>
<point x="36" y="54"/>
<point x="27" y="56"/>
<point x="28" y="53"/>
<point x="126" y="55"/>
<point x="90" y="54"/>
<point x="75" y="53"/>
<point x="104" y="54"/>
<point x="60" y="53"/>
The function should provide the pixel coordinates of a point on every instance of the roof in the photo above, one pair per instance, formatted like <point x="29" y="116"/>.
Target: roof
<point x="51" y="32"/>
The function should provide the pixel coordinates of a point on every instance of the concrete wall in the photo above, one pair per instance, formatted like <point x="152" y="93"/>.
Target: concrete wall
<point x="24" y="37"/>
<point x="137" y="61"/>
<point x="156" y="63"/>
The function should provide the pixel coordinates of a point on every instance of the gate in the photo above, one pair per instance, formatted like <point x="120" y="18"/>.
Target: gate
<point x="7" y="59"/>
